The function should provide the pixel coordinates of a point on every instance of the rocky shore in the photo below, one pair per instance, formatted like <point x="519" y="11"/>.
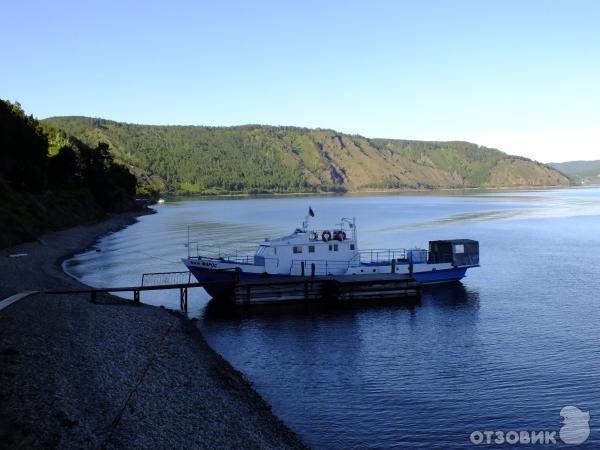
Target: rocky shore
<point x="74" y="374"/>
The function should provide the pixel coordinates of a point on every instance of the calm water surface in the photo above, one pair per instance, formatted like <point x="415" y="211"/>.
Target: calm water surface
<point x="504" y="350"/>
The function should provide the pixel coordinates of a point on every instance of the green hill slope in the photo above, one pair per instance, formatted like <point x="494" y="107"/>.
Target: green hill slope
<point x="583" y="172"/>
<point x="50" y="181"/>
<point x="252" y="158"/>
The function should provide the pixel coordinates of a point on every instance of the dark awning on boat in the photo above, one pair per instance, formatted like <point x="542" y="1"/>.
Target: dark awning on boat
<point x="460" y="252"/>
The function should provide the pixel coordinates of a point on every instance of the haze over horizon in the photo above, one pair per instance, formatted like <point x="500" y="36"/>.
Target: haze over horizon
<point x="518" y="77"/>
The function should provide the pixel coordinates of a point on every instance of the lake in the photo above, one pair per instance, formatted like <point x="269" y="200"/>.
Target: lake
<point x="505" y="349"/>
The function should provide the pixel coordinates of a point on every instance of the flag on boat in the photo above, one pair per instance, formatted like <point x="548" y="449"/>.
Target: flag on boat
<point x="311" y="213"/>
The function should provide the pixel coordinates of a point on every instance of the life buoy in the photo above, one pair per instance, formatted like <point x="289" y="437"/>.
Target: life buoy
<point x="313" y="236"/>
<point x="326" y="236"/>
<point x="340" y="235"/>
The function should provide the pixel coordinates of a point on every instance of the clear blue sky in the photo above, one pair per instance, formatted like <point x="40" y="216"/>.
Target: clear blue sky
<point x="520" y="75"/>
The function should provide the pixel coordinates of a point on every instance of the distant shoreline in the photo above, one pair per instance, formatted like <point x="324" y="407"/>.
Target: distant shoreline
<point x="375" y="191"/>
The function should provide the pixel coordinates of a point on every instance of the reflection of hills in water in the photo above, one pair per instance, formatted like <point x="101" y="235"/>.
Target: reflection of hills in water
<point x="218" y="237"/>
<point x="466" y="217"/>
<point x="540" y="207"/>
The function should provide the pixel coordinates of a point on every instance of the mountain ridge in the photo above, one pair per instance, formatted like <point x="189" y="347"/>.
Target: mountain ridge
<point x="586" y="172"/>
<point x="278" y="159"/>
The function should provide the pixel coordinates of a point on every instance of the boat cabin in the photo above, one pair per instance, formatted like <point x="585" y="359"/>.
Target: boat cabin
<point x="330" y="250"/>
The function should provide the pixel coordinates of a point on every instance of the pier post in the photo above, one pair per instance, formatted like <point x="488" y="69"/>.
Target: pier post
<point x="184" y="300"/>
<point x="93" y="297"/>
<point x="312" y="270"/>
<point x="394" y="265"/>
<point x="136" y="297"/>
<point x="302" y="268"/>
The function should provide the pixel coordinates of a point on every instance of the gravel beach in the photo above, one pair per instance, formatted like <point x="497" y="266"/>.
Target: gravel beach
<point x="74" y="374"/>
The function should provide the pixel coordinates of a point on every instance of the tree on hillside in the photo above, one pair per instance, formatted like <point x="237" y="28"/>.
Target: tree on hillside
<point x="64" y="169"/>
<point x="78" y="165"/>
<point x="23" y="148"/>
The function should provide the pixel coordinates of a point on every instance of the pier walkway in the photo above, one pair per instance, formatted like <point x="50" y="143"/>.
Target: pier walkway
<point x="260" y="291"/>
<point x="268" y="290"/>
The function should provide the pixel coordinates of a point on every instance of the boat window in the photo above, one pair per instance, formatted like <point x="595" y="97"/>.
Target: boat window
<point x="351" y="246"/>
<point x="333" y="247"/>
<point x="311" y="249"/>
<point x="298" y="249"/>
<point x="459" y="248"/>
<point x="261" y="250"/>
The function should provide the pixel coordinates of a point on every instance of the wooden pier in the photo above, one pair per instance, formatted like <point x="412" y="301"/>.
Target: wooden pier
<point x="274" y="290"/>
<point x="330" y="289"/>
<point x="136" y="290"/>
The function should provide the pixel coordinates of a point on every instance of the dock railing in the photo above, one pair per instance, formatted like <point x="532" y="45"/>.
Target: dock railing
<point x="153" y="281"/>
<point x="265" y="290"/>
<point x="166" y="278"/>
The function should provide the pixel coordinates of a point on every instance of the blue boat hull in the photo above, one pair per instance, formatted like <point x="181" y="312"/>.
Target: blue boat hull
<point x="440" y="276"/>
<point x="220" y="282"/>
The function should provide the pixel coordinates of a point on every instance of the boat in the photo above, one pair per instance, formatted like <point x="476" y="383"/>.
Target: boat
<point x="331" y="252"/>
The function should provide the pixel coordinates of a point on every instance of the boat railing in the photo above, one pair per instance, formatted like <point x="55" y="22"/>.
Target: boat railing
<point x="196" y="250"/>
<point x="321" y="267"/>
<point x="381" y="256"/>
<point x="244" y="259"/>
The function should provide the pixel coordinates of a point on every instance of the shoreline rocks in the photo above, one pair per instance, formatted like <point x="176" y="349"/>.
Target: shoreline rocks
<point x="113" y="375"/>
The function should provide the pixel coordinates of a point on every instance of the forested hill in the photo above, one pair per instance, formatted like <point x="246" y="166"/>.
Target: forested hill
<point x="582" y="172"/>
<point x="49" y="180"/>
<point x="252" y="158"/>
